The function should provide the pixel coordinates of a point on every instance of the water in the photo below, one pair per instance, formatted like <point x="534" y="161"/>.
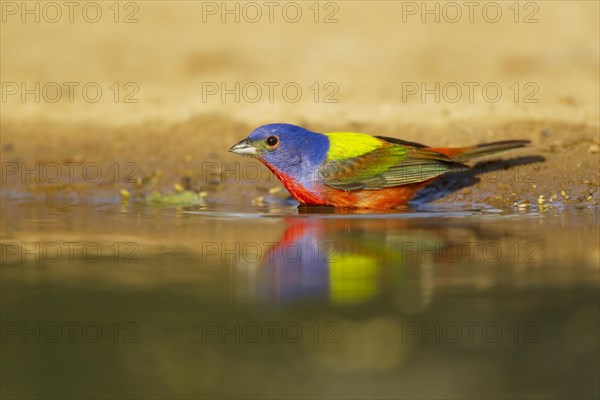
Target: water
<point x="103" y="300"/>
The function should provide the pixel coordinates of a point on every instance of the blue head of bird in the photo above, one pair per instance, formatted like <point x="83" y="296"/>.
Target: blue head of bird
<point x="285" y="148"/>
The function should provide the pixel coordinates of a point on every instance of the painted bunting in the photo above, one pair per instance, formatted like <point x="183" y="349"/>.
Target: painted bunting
<point x="355" y="170"/>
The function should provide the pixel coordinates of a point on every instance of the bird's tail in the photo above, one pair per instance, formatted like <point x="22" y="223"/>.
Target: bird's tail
<point x="465" y="154"/>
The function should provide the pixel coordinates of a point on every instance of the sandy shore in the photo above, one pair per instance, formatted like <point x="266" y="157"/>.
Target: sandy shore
<point x="172" y="91"/>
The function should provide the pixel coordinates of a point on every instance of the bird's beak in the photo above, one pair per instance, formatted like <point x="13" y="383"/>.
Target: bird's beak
<point x="243" y="148"/>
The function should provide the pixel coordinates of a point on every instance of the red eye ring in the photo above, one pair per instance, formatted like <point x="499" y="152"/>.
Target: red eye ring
<point x="272" y="141"/>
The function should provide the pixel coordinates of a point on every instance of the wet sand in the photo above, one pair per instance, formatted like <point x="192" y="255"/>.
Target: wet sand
<point x="561" y="167"/>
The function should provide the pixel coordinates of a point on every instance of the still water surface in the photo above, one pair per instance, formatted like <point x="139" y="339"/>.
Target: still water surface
<point x="128" y="301"/>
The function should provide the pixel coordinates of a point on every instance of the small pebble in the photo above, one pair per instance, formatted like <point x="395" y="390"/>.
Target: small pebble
<point x="541" y="199"/>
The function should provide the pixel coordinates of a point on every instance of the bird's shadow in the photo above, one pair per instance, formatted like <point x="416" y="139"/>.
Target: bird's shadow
<point x="456" y="181"/>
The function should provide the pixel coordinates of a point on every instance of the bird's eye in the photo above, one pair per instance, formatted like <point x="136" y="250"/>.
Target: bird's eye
<point x="272" y="141"/>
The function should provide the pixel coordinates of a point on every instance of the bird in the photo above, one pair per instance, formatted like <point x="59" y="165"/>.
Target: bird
<point x="355" y="170"/>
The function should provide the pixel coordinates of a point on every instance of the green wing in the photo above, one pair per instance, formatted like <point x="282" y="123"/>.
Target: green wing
<point x="388" y="165"/>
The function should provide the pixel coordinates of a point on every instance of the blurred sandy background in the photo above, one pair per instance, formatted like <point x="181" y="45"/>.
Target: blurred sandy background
<point x="543" y="55"/>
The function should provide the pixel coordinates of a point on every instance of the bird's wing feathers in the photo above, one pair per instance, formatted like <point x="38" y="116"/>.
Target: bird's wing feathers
<point x="401" y="142"/>
<point x="373" y="163"/>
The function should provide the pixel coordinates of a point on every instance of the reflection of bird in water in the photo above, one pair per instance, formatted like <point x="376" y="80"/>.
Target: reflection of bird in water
<point x="356" y="258"/>
<point x="296" y="266"/>
<point x="345" y="260"/>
